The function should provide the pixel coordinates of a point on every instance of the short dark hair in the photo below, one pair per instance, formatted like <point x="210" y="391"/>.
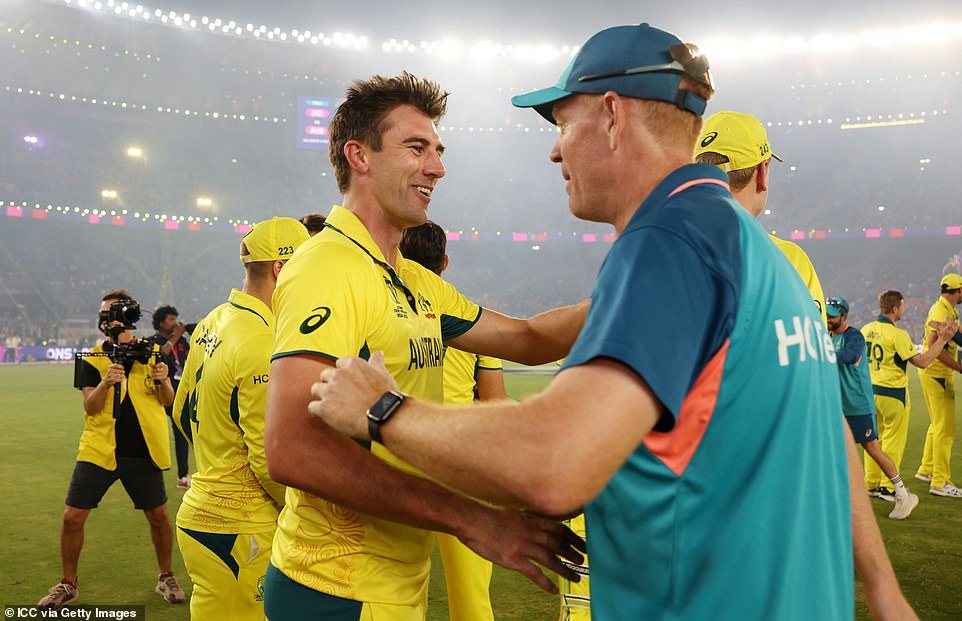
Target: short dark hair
<point x="362" y="114"/>
<point x="313" y="222"/>
<point x="117" y="294"/>
<point x="945" y="289"/>
<point x="161" y="313"/>
<point x="425" y="244"/>
<point x="889" y="301"/>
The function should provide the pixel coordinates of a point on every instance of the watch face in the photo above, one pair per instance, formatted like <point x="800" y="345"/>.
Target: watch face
<point x="385" y="406"/>
<point x="381" y="411"/>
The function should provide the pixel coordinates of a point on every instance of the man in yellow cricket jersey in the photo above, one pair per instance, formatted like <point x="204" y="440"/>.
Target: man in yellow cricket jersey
<point x="467" y="377"/>
<point x="354" y="539"/>
<point x="226" y="522"/>
<point x="939" y="391"/>
<point x="738" y="143"/>
<point x="889" y="349"/>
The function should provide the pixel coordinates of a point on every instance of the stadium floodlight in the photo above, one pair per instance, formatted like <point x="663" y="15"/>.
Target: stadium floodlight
<point x="30" y="139"/>
<point x="109" y="194"/>
<point x="135" y="152"/>
<point x="203" y="201"/>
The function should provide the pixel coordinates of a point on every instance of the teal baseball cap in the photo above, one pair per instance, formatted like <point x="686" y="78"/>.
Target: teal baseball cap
<point x="836" y="307"/>
<point x="634" y="61"/>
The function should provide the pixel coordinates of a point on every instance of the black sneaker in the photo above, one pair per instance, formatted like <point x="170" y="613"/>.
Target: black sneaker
<point x="886" y="495"/>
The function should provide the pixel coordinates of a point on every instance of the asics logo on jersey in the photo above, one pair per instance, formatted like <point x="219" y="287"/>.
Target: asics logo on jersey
<point x="316" y="320"/>
<point x="810" y="337"/>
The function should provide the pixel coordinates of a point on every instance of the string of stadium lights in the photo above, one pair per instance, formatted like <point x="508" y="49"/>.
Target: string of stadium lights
<point x="141" y="107"/>
<point x="933" y="33"/>
<point x="857" y="122"/>
<point x="119" y="217"/>
<point x="55" y="42"/>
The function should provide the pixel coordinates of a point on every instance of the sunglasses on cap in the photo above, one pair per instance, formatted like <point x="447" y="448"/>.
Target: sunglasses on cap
<point x="685" y="57"/>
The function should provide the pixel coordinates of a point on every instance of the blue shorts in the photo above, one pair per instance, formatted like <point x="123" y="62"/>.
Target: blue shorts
<point x="863" y="428"/>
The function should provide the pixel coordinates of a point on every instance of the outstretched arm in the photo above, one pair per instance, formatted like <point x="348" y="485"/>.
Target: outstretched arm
<point x="305" y="453"/>
<point x="520" y="454"/>
<point x="944" y="332"/>
<point x="544" y="338"/>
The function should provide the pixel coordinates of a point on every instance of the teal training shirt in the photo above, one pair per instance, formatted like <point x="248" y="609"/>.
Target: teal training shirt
<point x="737" y="506"/>
<point x="855" y="380"/>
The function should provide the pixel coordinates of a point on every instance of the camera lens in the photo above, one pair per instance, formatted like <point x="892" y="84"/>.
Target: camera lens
<point x="131" y="312"/>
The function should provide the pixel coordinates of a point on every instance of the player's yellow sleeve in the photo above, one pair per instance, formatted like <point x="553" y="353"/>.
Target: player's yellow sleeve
<point x="903" y="345"/>
<point x="803" y="265"/>
<point x="330" y="319"/>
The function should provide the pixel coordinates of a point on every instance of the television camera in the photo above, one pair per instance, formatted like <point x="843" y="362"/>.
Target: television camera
<point x="121" y="315"/>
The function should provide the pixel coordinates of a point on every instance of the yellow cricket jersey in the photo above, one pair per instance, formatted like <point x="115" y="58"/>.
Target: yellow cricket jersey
<point x="942" y="310"/>
<point x="220" y="407"/>
<point x="339" y="297"/>
<point x="888" y="348"/>
<point x="803" y="265"/>
<point x="460" y="373"/>
<point x="98" y="442"/>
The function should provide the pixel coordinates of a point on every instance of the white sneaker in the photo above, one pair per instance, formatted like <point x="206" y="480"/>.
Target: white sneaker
<point x="946" y="491"/>
<point x="923" y="477"/>
<point x="904" y="506"/>
<point x="168" y="588"/>
<point x="183" y="482"/>
<point x="59" y="595"/>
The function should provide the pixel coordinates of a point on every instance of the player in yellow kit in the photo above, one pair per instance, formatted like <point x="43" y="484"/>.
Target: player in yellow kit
<point x="738" y="143"/>
<point x="354" y="539"/>
<point x="467" y="377"/>
<point x="889" y="349"/>
<point x="939" y="391"/>
<point x="226" y="522"/>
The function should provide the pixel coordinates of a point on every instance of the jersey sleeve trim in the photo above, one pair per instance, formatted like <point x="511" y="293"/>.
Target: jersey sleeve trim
<point x="453" y="327"/>
<point x="301" y="352"/>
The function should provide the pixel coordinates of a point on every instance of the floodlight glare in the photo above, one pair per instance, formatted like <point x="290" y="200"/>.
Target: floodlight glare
<point x="135" y="152"/>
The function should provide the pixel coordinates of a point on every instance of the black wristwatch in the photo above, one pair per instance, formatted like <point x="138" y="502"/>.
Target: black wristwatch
<point x="381" y="411"/>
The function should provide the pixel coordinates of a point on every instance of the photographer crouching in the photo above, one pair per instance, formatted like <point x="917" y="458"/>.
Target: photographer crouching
<point x="125" y="388"/>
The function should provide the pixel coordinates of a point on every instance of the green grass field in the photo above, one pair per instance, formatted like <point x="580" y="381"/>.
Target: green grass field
<point x="42" y="417"/>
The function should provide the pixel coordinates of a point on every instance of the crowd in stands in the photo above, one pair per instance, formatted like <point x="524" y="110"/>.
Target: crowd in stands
<point x="58" y="269"/>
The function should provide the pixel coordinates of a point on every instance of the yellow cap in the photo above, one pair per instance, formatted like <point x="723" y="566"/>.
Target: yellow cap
<point x="952" y="281"/>
<point x="274" y="240"/>
<point x="738" y="136"/>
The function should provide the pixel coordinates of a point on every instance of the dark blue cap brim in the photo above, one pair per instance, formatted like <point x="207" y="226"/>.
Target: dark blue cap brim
<point x="541" y="100"/>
